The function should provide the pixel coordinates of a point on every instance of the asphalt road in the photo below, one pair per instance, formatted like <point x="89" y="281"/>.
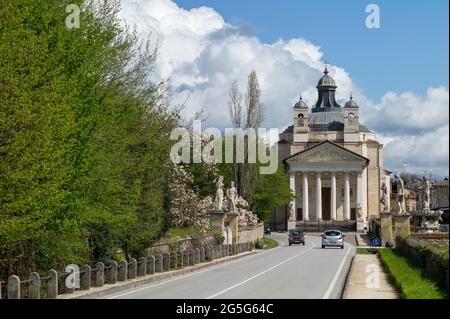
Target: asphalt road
<point x="296" y="272"/>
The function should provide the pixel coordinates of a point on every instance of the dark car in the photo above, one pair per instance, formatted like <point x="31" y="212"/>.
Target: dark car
<point x="267" y="229"/>
<point x="296" y="236"/>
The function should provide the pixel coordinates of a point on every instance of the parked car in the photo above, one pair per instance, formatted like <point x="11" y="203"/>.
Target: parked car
<point x="296" y="236"/>
<point x="334" y="238"/>
<point x="267" y="229"/>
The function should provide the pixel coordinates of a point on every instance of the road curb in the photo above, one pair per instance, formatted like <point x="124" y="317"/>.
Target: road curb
<point x="100" y="292"/>
<point x="345" y="285"/>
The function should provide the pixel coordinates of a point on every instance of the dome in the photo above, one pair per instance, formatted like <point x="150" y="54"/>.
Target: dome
<point x="300" y="104"/>
<point x="326" y="121"/>
<point x="351" y="103"/>
<point x="326" y="80"/>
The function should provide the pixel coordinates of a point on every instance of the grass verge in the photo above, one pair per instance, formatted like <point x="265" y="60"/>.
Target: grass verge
<point x="269" y="243"/>
<point x="408" y="278"/>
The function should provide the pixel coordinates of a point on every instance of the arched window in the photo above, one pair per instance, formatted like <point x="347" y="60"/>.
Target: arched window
<point x="301" y="120"/>
<point x="351" y="119"/>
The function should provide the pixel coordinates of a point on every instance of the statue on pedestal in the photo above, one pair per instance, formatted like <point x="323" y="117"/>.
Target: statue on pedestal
<point x="232" y="195"/>
<point x="218" y="200"/>
<point x="400" y="197"/>
<point x="426" y="194"/>
<point x="291" y="210"/>
<point x="359" y="211"/>
<point x="384" y="198"/>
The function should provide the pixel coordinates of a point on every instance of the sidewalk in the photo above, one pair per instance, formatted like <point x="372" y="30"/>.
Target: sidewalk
<point x="367" y="280"/>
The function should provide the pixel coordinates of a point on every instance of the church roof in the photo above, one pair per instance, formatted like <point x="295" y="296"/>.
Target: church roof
<point x="332" y="127"/>
<point x="300" y="104"/>
<point x="319" y="145"/>
<point x="351" y="103"/>
<point x="326" y="80"/>
<point x="326" y="121"/>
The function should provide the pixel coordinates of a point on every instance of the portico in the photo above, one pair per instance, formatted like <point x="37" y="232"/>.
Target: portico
<point x="329" y="183"/>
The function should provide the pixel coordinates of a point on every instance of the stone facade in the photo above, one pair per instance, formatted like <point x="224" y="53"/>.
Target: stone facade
<point x="335" y="163"/>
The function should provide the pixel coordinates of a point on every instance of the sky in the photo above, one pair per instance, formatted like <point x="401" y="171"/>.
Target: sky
<point x="398" y="74"/>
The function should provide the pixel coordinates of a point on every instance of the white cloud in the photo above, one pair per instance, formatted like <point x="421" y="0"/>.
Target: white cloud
<point x="201" y="54"/>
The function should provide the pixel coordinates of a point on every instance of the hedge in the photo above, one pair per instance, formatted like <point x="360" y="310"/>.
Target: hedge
<point x="429" y="258"/>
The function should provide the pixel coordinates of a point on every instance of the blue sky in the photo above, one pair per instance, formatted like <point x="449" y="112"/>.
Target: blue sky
<point x="408" y="53"/>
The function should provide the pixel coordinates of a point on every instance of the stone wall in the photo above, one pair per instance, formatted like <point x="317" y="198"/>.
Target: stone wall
<point x="251" y="233"/>
<point x="187" y="243"/>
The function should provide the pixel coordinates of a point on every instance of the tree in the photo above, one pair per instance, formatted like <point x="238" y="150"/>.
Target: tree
<point x="83" y="137"/>
<point x="245" y="173"/>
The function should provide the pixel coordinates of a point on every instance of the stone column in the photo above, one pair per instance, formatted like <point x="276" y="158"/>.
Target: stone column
<point x="347" y="196"/>
<point x="292" y="222"/>
<point x="305" y="197"/>
<point x="318" y="196"/>
<point x="333" y="196"/>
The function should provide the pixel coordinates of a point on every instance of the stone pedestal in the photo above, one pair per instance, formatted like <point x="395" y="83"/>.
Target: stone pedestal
<point x="218" y="221"/>
<point x="387" y="237"/>
<point x="291" y="224"/>
<point x="233" y="221"/>
<point x="402" y="225"/>
<point x="361" y="225"/>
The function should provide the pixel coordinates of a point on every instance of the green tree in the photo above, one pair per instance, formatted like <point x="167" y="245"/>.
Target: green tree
<point x="83" y="137"/>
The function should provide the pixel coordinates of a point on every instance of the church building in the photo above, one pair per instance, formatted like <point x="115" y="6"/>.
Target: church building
<point x="335" y="166"/>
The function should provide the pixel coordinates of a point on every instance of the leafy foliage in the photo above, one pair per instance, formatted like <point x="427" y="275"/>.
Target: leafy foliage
<point x="83" y="137"/>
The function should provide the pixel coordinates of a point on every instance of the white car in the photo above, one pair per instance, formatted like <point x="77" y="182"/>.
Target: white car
<point x="333" y="238"/>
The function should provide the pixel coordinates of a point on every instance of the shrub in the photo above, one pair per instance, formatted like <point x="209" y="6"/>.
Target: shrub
<point x="433" y="260"/>
<point x="408" y="277"/>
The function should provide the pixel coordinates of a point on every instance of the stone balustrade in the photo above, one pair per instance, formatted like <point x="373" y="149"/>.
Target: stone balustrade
<point x="76" y="278"/>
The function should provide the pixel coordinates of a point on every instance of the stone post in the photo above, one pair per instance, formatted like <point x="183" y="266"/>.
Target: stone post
<point x="52" y="284"/>
<point x="13" y="287"/>
<point x="85" y="277"/>
<point x="122" y="274"/>
<point x="197" y="256"/>
<point x="99" y="274"/>
<point x="387" y="238"/>
<point x="151" y="265"/>
<point x="34" y="287"/>
<point x="69" y="280"/>
<point x="173" y="259"/>
<point x="185" y="258"/>
<point x="158" y="263"/>
<point x="191" y="257"/>
<point x="142" y="267"/>
<point x="402" y="225"/>
<point x="180" y="259"/>
<point x="166" y="262"/>
<point x="132" y="268"/>
<point x="202" y="254"/>
<point x="112" y="272"/>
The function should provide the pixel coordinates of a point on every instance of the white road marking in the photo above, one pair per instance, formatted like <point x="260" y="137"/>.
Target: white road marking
<point x="191" y="274"/>
<point x="336" y="276"/>
<point x="259" y="274"/>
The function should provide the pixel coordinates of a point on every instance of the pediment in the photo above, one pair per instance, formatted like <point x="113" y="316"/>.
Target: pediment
<point x="326" y="153"/>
